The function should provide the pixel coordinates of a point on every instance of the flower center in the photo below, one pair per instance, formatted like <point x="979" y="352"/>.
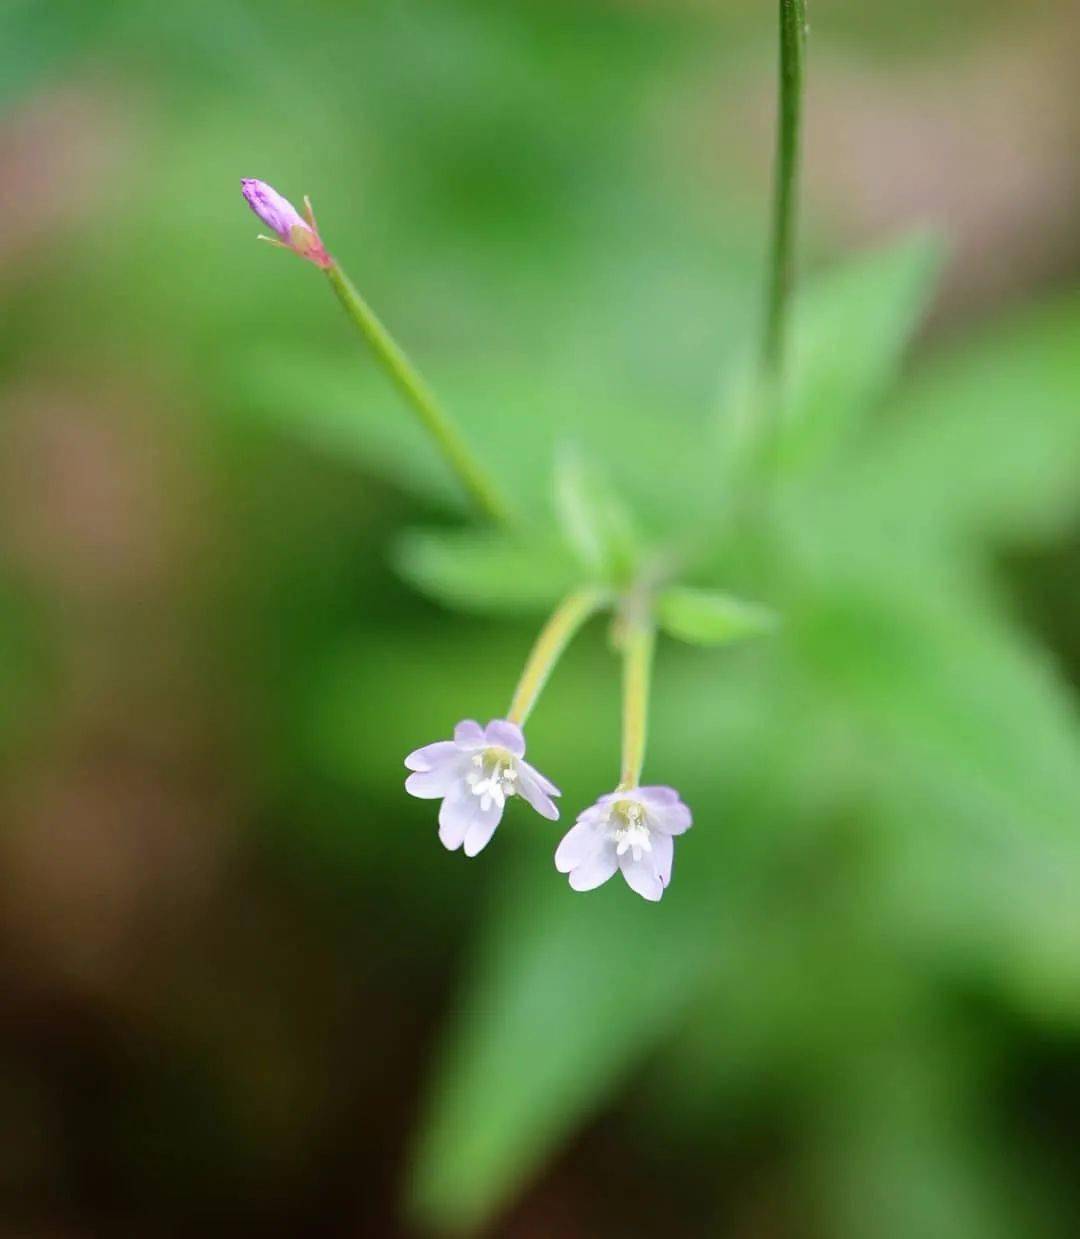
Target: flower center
<point x="492" y="777"/>
<point x="629" y="829"/>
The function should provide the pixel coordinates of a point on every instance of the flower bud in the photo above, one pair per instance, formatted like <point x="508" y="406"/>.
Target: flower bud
<point x="292" y="230"/>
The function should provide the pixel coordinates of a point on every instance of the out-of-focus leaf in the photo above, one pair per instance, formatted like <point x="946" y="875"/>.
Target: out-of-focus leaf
<point x="986" y="439"/>
<point x="480" y="571"/>
<point x="709" y="617"/>
<point x="592" y="517"/>
<point x="978" y="747"/>
<point x="567" y="996"/>
<point x="950" y="687"/>
<point x="850" y="329"/>
<point x="515" y="419"/>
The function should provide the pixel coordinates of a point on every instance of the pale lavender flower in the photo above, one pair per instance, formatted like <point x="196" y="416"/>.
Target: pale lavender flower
<point x="293" y="231"/>
<point x="474" y="774"/>
<point x="629" y="830"/>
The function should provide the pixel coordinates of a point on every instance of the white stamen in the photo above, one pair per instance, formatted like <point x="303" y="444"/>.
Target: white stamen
<point x="629" y="829"/>
<point x="493" y="779"/>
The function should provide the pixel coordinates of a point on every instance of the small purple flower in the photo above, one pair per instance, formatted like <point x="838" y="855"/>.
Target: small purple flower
<point x="629" y="830"/>
<point x="473" y="775"/>
<point x="293" y="231"/>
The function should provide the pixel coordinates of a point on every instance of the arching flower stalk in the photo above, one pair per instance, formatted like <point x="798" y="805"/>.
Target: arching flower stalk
<point x="632" y="828"/>
<point x="477" y="772"/>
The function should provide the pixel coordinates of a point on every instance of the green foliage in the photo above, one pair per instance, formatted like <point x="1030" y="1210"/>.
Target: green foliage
<point x="980" y="782"/>
<point x="964" y="748"/>
<point x="851" y="327"/>
<point x="485" y="571"/>
<point x="709" y="617"/>
<point x="984" y="440"/>
<point x="593" y="520"/>
<point x="620" y="976"/>
<point x="885" y="792"/>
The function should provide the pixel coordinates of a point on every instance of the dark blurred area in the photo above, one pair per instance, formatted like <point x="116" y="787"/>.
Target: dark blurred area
<point x="230" y="947"/>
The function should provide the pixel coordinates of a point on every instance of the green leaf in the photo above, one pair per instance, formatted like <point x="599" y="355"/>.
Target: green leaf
<point x="850" y="329"/>
<point x="986" y="438"/>
<point x="594" y="521"/>
<point x="978" y="753"/>
<point x="519" y="420"/>
<point x="709" y="617"/>
<point x="961" y="695"/>
<point x="567" y="996"/>
<point x="480" y="571"/>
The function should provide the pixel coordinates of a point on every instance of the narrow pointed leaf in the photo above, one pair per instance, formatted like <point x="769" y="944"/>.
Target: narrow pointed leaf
<point x="851" y="329"/>
<point x="570" y="993"/>
<point x="986" y="438"/>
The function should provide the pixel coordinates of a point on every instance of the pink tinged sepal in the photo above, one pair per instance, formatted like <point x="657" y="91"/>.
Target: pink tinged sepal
<point x="292" y="230"/>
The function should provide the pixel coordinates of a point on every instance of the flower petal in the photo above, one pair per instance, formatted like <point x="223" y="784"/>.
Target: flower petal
<point x="482" y="828"/>
<point x="641" y="875"/>
<point x="587" y="853"/>
<point x="666" y="812"/>
<point x="595" y="872"/>
<point x="657" y="795"/>
<point x="431" y="784"/>
<point x="431" y="755"/>
<point x="530" y="788"/>
<point x="663" y="852"/>
<point x="457" y="813"/>
<point x="468" y="734"/>
<point x="675" y="820"/>
<point x="581" y="844"/>
<point x="275" y="211"/>
<point x="544" y="783"/>
<point x="610" y="798"/>
<point x="504" y="735"/>
<point x="595" y="813"/>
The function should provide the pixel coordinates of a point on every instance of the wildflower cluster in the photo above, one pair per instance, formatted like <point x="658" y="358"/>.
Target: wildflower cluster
<point x="630" y="829"/>
<point x="481" y="768"/>
<point x="475" y="774"/>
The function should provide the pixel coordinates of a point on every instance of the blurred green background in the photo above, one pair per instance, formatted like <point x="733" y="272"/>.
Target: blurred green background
<point x="245" y="990"/>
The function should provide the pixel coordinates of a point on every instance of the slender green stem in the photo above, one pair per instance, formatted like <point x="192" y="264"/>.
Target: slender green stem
<point x="638" y="642"/>
<point x="554" y="637"/>
<point x="785" y="189"/>
<point x="434" y="418"/>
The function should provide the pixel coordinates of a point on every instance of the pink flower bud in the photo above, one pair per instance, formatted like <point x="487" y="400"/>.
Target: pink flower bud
<point x="292" y="230"/>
